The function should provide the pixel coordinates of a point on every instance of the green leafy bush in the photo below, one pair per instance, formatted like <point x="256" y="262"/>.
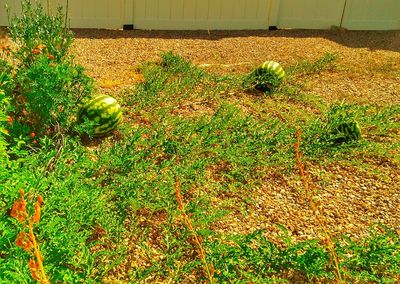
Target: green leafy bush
<point x="48" y="95"/>
<point x="5" y="86"/>
<point x="48" y="86"/>
<point x="34" y="32"/>
<point x="75" y="209"/>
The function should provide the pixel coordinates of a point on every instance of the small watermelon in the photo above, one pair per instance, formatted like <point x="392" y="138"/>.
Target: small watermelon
<point x="104" y="111"/>
<point x="347" y="132"/>
<point x="268" y="76"/>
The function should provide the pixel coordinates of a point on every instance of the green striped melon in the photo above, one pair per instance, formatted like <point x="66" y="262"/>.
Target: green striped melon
<point x="104" y="111"/>
<point x="268" y="76"/>
<point x="347" y="132"/>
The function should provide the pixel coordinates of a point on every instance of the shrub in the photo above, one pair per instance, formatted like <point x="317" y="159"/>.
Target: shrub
<point x="48" y="94"/>
<point x="48" y="85"/>
<point x="5" y="82"/>
<point x="35" y="32"/>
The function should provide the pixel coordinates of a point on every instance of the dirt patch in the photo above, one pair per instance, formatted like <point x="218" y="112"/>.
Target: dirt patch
<point x="352" y="202"/>
<point x="367" y="68"/>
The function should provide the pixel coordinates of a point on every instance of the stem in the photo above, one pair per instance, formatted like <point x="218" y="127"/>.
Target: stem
<point x="189" y="225"/>
<point x="38" y="255"/>
<point x="202" y="253"/>
<point x="310" y="193"/>
<point x="66" y="15"/>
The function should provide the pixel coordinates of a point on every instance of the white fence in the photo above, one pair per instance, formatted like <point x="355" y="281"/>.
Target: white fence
<point x="201" y="14"/>
<point x="226" y="14"/>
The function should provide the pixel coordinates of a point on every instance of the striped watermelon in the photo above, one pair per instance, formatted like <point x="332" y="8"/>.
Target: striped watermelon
<point x="347" y="132"/>
<point x="105" y="111"/>
<point x="268" y="76"/>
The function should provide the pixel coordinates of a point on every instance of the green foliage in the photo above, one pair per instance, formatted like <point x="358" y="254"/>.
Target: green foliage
<point x="47" y="85"/>
<point x="3" y="132"/>
<point x="5" y="83"/>
<point x="171" y="81"/>
<point x="263" y="79"/>
<point x="253" y="258"/>
<point x="375" y="258"/>
<point x="110" y="207"/>
<point x="49" y="95"/>
<point x="34" y="30"/>
<point x="75" y="211"/>
<point x="307" y="68"/>
<point x="341" y="125"/>
<point x="337" y="133"/>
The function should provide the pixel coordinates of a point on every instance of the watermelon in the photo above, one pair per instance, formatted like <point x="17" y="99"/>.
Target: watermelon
<point x="268" y="76"/>
<point x="104" y="111"/>
<point x="347" y="132"/>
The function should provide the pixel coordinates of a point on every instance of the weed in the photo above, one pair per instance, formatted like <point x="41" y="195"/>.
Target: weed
<point x="307" y="68"/>
<point x="28" y="241"/>
<point x="375" y="258"/>
<point x="3" y="131"/>
<point x="36" y="32"/>
<point x="209" y="268"/>
<point x="318" y="211"/>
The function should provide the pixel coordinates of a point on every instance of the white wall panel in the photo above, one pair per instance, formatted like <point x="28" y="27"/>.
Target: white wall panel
<point x="14" y="6"/>
<point x="201" y="14"/>
<point x="225" y="14"/>
<point x="308" y="14"/>
<point x="86" y="13"/>
<point x="372" y="15"/>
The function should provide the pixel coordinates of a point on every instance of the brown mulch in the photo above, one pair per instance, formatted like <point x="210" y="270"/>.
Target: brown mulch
<point x="352" y="201"/>
<point x="367" y="70"/>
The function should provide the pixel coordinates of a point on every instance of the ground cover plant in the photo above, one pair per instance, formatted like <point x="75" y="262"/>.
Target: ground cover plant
<point x="154" y="201"/>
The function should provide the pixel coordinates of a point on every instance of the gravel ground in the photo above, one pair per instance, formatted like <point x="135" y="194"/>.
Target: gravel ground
<point x="367" y="71"/>
<point x="352" y="202"/>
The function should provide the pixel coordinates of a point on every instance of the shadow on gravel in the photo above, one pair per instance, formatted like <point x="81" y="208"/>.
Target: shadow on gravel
<point x="373" y="40"/>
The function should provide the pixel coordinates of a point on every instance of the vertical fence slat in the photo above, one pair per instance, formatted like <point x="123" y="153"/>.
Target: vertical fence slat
<point x="202" y="9"/>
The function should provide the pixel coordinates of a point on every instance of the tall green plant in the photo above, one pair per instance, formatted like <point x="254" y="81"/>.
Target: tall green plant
<point x="48" y="85"/>
<point x="5" y="83"/>
<point x="35" y="32"/>
<point x="3" y="131"/>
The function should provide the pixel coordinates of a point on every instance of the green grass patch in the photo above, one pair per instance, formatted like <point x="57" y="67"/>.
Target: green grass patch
<point x="111" y="205"/>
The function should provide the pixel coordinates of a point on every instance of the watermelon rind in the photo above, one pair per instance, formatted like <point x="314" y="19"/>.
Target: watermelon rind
<point x="268" y="76"/>
<point x="346" y="132"/>
<point x="104" y="112"/>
